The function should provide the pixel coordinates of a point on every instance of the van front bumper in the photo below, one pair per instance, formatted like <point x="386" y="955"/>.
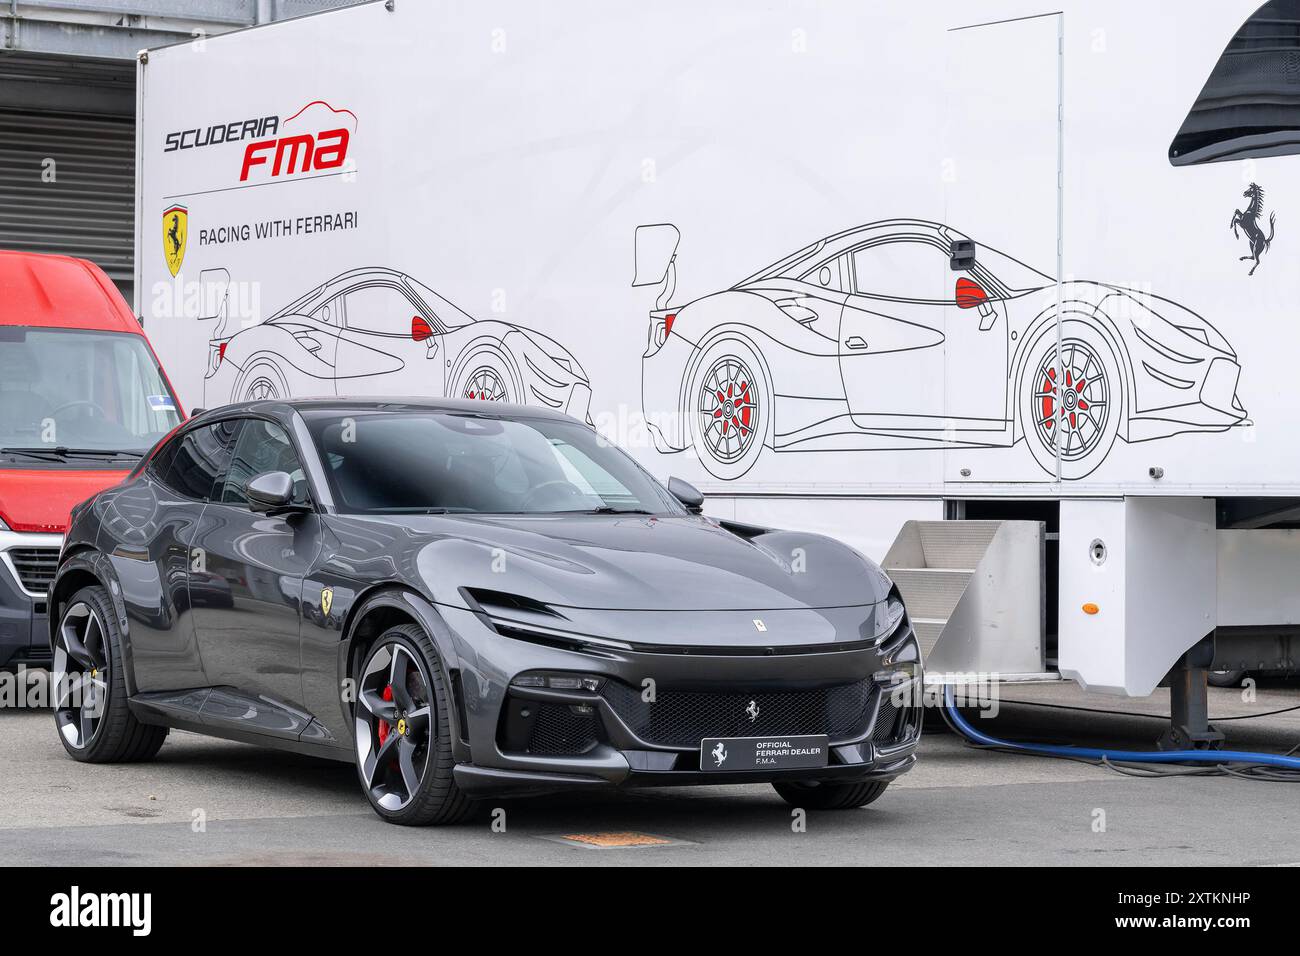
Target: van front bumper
<point x="24" y="621"/>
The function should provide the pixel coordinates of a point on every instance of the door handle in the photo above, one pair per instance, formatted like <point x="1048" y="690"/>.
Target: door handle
<point x="855" y="342"/>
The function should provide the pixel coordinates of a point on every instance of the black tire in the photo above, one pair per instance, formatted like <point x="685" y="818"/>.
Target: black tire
<point x="435" y="800"/>
<point x="1226" y="678"/>
<point x="117" y="737"/>
<point x="830" y="796"/>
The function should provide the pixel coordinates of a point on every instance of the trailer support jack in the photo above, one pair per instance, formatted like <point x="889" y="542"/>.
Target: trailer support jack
<point x="1189" y="717"/>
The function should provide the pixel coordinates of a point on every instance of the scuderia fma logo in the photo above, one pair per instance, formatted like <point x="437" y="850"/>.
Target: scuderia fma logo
<point x="76" y="909"/>
<point x="175" y="230"/>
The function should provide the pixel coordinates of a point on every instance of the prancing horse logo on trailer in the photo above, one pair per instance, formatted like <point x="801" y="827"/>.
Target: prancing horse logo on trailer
<point x="1249" y="223"/>
<point x="752" y="710"/>
<point x="176" y="230"/>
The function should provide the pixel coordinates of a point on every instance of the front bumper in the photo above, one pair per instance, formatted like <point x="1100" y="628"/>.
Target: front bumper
<point x="607" y="742"/>
<point x="24" y="622"/>
<point x="1172" y="399"/>
<point x="480" y="782"/>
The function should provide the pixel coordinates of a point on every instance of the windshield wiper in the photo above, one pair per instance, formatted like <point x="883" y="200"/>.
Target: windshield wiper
<point x="420" y="510"/>
<point x="40" y="454"/>
<point x="56" y="452"/>
<point x="610" y="510"/>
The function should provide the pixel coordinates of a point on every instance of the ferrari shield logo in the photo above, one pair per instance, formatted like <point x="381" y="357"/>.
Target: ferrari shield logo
<point x="176" y="229"/>
<point x="326" y="600"/>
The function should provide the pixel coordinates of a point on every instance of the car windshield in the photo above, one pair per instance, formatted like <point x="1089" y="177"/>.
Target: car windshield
<point x="420" y="461"/>
<point x="448" y="314"/>
<point x="64" y="389"/>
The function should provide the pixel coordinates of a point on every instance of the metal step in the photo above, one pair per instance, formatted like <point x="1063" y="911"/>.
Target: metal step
<point x="927" y="633"/>
<point x="974" y="593"/>
<point x="931" y="592"/>
<point x="955" y="544"/>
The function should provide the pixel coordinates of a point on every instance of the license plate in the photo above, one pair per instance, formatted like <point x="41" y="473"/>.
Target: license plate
<point x="721" y="754"/>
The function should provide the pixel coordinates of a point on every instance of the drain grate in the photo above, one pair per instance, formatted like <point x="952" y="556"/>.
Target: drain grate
<point x="613" y="840"/>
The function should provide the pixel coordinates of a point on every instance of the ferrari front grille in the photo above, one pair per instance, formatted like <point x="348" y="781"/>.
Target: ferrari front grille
<point x="682" y="718"/>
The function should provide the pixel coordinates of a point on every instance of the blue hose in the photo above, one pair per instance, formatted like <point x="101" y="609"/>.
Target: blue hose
<point x="1126" y="756"/>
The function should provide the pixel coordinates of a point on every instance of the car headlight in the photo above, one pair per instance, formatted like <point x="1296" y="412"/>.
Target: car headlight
<point x="3" y="526"/>
<point x="894" y="611"/>
<point x="588" y="682"/>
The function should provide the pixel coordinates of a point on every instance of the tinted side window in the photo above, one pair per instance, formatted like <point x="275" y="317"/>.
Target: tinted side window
<point x="202" y="456"/>
<point x="160" y="463"/>
<point x="1250" y="105"/>
<point x="262" y="446"/>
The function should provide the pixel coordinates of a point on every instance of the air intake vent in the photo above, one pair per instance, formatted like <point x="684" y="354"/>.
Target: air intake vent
<point x="560" y="732"/>
<point x="494" y="603"/>
<point x="35" y="567"/>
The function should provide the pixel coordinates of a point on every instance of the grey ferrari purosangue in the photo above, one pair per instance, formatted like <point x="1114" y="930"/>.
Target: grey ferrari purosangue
<point x="469" y="599"/>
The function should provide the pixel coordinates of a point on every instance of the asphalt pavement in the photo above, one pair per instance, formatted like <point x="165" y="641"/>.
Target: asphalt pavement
<point x="206" y="801"/>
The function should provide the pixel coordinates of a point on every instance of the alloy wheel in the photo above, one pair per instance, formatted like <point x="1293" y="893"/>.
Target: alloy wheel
<point x="262" y="388"/>
<point x="728" y="409"/>
<point x="485" y="385"/>
<point x="1073" y="414"/>
<point x="80" y="675"/>
<point x="394" y="725"/>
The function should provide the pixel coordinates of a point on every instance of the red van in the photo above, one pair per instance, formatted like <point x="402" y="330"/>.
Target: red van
<point x="82" y="399"/>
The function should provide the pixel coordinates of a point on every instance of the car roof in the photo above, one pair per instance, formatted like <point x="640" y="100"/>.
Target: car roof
<point x="330" y="287"/>
<point x="833" y="245"/>
<point x="60" y="292"/>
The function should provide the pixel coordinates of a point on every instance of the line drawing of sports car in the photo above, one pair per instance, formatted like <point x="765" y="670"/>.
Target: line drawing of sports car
<point x="906" y="334"/>
<point x="376" y="331"/>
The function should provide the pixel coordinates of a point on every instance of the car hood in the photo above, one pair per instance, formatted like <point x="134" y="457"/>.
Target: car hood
<point x="1186" y="332"/>
<point x="533" y="344"/>
<point x="638" y="562"/>
<point x="40" y="500"/>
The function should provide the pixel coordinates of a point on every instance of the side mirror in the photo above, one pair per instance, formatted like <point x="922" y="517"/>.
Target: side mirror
<point x="961" y="255"/>
<point x="687" y="494"/>
<point x="271" y="493"/>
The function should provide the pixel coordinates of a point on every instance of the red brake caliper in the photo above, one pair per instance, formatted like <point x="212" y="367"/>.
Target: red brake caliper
<point x="1049" y="387"/>
<point x="383" y="724"/>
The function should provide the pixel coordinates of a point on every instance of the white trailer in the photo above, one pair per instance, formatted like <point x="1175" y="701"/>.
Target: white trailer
<point x="899" y="273"/>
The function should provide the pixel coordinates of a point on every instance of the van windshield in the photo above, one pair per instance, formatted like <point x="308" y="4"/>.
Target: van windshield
<point x="74" y="389"/>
